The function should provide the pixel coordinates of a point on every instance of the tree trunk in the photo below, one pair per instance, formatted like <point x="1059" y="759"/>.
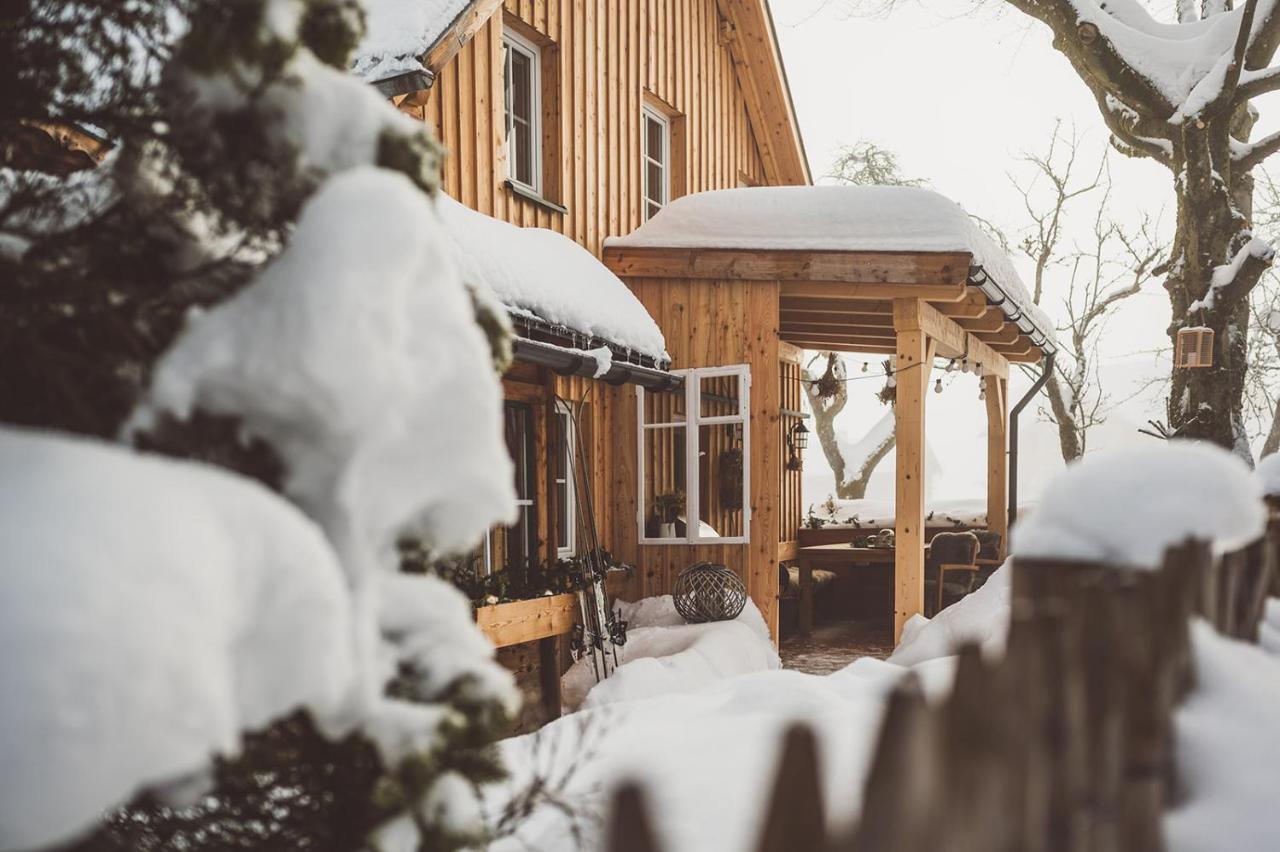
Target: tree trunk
<point x="1068" y="433"/>
<point x="1272" y="443"/>
<point x="1205" y="403"/>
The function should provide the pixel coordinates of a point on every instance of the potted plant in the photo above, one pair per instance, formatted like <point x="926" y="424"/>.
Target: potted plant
<point x="668" y="507"/>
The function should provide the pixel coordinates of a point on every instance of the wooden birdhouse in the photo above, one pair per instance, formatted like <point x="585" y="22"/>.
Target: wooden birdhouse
<point x="1194" y="347"/>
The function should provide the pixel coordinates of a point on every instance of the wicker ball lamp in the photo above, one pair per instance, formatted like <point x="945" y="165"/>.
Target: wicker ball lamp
<point x="709" y="592"/>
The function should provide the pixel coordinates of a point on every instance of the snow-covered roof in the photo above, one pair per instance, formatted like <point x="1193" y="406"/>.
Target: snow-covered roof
<point x="545" y="274"/>
<point x="838" y="218"/>
<point x="398" y="32"/>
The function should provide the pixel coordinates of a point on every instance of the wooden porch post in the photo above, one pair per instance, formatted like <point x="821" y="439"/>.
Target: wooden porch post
<point x="998" y="458"/>
<point x="912" y="377"/>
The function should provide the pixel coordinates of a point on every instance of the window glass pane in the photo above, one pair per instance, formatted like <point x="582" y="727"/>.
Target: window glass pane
<point x="664" y="482"/>
<point x="660" y="407"/>
<point x="523" y="153"/>
<point x="516" y="547"/>
<point x="653" y="140"/>
<point x="521" y="86"/>
<point x="720" y="480"/>
<point x="652" y="210"/>
<point x="653" y="188"/>
<point x="718" y="396"/>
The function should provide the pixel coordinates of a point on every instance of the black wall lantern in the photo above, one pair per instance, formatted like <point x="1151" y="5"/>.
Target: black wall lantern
<point x="797" y="442"/>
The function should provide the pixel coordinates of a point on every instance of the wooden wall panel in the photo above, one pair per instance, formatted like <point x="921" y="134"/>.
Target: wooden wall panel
<point x="612" y="54"/>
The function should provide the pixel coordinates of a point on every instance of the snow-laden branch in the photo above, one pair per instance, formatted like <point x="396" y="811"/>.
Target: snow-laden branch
<point x="1254" y="83"/>
<point x="1246" y="156"/>
<point x="1234" y="279"/>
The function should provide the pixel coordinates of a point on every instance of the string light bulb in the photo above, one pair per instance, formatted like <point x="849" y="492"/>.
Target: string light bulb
<point x="982" y="393"/>
<point x="864" y="366"/>
<point x="937" y="386"/>
<point x="964" y="365"/>
<point x="951" y="365"/>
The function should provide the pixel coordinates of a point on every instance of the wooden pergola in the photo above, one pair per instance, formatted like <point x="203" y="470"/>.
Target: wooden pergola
<point x="916" y="306"/>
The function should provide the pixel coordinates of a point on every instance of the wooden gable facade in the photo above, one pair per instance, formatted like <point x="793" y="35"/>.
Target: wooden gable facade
<point x="710" y="69"/>
<point x="603" y="63"/>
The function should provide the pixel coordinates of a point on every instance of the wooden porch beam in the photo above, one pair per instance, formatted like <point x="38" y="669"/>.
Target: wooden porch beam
<point x="940" y="275"/>
<point x="877" y="307"/>
<point x="971" y="305"/>
<point x="913" y="363"/>
<point x="867" y="347"/>
<point x="864" y="291"/>
<point x="832" y="318"/>
<point x="997" y="390"/>
<point x="992" y="319"/>
<point x="1008" y="333"/>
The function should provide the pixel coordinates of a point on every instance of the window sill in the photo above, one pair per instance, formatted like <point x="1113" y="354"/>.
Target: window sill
<point x="528" y="194"/>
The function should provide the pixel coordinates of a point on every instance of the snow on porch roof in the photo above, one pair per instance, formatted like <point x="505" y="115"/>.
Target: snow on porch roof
<point x="841" y="218"/>
<point x="545" y="274"/>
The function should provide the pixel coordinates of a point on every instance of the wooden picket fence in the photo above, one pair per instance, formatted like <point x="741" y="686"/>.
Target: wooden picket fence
<point x="1063" y="745"/>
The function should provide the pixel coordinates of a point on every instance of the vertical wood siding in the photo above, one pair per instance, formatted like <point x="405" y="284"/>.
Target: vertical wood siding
<point x="711" y="323"/>
<point x="612" y="55"/>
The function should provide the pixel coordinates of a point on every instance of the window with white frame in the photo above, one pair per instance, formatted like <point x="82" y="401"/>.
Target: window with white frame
<point x="516" y="546"/>
<point x="563" y="482"/>
<point x="694" y="451"/>
<point x="657" y="161"/>
<point x="522" y="72"/>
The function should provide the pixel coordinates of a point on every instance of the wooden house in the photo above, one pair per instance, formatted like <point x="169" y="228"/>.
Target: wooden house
<point x="607" y="122"/>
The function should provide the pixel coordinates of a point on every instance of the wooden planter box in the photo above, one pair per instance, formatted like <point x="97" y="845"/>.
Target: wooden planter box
<point x="528" y="621"/>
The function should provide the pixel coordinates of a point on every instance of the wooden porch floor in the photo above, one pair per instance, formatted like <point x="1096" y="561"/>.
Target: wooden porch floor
<point x="833" y="646"/>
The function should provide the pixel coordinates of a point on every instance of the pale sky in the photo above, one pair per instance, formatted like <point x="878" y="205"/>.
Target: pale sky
<point x="958" y="93"/>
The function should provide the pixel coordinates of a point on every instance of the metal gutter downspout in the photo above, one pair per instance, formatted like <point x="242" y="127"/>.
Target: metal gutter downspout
<point x="1045" y="372"/>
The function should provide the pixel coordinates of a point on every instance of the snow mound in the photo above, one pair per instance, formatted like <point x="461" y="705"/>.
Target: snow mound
<point x="832" y="218"/>
<point x="398" y="32"/>
<point x="665" y="656"/>
<point x="1228" y="749"/>
<point x="981" y="617"/>
<point x="151" y="611"/>
<point x="1128" y="507"/>
<point x="550" y="276"/>
<point x="1268" y="475"/>
<point x="340" y="355"/>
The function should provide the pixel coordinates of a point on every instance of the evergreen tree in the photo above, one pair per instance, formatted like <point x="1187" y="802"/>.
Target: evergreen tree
<point x="222" y="118"/>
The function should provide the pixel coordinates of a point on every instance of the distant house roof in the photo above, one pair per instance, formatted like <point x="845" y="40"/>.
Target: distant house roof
<point x="547" y="281"/>
<point x="843" y="218"/>
<point x="407" y="42"/>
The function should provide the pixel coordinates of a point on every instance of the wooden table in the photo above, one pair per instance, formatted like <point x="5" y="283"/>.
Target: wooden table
<point x="834" y="556"/>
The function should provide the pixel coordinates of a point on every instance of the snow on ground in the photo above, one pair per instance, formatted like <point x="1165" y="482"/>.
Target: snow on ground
<point x="1270" y="629"/>
<point x="398" y="32"/>
<point x="1128" y="508"/>
<point x="1228" y="749"/>
<point x="550" y="276"/>
<point x="833" y="218"/>
<point x="150" y="611"/>
<point x="880" y="514"/>
<point x="981" y="617"/>
<point x="665" y="656"/>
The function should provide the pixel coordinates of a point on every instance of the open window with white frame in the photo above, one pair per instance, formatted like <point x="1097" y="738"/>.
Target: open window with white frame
<point x="656" y="148"/>
<point x="693" y="459"/>
<point x="522" y="75"/>
<point x="516" y="546"/>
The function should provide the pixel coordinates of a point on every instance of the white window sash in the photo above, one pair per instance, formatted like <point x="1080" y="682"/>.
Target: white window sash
<point x="567" y="431"/>
<point x="513" y="42"/>
<point x="663" y="194"/>
<point x="692" y="423"/>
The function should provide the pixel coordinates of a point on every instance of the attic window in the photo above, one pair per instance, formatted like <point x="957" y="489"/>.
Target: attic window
<point x="522" y="72"/>
<point x="657" y="161"/>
